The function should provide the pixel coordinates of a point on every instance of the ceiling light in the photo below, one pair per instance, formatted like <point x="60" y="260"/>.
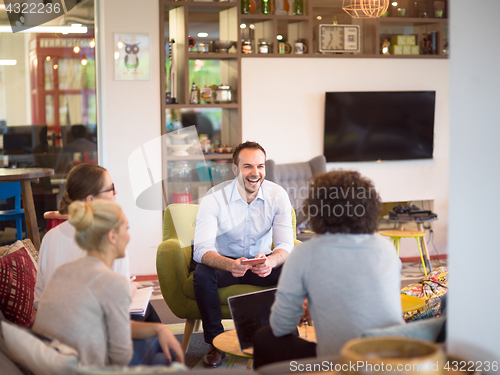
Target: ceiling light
<point x="8" y="62"/>
<point x="319" y="18"/>
<point x="279" y="37"/>
<point x="46" y="29"/>
<point x="92" y="43"/>
<point x="48" y="58"/>
<point x="202" y="35"/>
<point x="84" y="61"/>
<point x="55" y="66"/>
<point x="243" y="26"/>
<point x="120" y="44"/>
<point x="76" y="49"/>
<point x="394" y="4"/>
<point x="117" y="55"/>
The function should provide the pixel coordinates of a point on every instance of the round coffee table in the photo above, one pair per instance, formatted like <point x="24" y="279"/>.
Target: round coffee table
<point x="228" y="343"/>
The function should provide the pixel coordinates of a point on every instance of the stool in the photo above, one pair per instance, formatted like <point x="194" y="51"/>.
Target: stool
<point x="396" y="236"/>
<point x="54" y="218"/>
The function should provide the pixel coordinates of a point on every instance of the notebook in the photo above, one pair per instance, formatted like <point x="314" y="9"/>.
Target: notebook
<point x="250" y="312"/>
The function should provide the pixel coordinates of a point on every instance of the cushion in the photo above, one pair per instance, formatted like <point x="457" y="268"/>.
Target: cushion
<point x="17" y="287"/>
<point x="427" y="329"/>
<point x="40" y="357"/>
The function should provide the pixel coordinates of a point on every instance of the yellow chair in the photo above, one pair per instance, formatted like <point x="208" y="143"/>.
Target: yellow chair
<point x="172" y="264"/>
<point x="396" y="236"/>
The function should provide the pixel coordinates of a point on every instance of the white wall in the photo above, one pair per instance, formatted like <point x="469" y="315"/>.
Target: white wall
<point x="474" y="255"/>
<point x="283" y="109"/>
<point x="129" y="117"/>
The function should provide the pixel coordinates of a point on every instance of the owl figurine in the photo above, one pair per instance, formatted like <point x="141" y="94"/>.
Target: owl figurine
<point x="131" y="59"/>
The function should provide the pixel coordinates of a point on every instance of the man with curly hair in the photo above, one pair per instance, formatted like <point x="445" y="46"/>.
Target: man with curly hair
<point x="350" y="276"/>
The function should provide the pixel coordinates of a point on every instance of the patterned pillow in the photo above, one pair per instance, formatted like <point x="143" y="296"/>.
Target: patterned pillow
<point x="17" y="286"/>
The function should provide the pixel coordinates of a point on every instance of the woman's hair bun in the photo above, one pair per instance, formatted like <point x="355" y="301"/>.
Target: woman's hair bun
<point x="80" y="215"/>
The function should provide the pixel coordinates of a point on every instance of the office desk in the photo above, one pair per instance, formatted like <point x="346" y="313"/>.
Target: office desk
<point x="25" y="176"/>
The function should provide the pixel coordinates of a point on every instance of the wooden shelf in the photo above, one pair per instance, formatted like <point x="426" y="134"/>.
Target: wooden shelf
<point x="212" y="55"/>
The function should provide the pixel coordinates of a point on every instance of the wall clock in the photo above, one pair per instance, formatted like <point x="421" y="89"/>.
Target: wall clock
<point x="338" y="38"/>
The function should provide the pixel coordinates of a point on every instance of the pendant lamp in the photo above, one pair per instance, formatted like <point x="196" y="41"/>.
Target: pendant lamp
<point x="365" y="8"/>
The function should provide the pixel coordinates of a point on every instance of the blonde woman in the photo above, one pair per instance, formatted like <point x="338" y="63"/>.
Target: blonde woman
<point x="86" y="305"/>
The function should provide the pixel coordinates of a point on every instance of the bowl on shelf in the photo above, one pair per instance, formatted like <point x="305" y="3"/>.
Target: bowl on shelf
<point x="177" y="138"/>
<point x="223" y="45"/>
<point x="179" y="150"/>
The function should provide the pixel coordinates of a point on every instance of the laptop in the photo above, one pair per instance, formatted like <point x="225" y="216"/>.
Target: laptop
<point x="250" y="312"/>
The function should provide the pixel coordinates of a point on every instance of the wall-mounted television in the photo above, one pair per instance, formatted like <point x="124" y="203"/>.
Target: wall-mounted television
<point x="379" y="125"/>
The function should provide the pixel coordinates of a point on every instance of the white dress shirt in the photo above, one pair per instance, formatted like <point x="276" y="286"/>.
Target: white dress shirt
<point x="230" y="226"/>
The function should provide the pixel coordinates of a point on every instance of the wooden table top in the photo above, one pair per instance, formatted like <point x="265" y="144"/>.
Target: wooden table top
<point x="227" y="342"/>
<point x="401" y="233"/>
<point x="19" y="174"/>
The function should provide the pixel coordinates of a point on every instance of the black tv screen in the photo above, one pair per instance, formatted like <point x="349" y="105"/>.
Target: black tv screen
<point x="385" y="125"/>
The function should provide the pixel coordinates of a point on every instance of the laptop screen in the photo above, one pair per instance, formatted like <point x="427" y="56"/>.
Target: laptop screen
<point x="250" y="312"/>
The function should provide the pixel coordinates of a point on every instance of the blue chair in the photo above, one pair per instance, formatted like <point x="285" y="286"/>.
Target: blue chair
<point x="13" y="190"/>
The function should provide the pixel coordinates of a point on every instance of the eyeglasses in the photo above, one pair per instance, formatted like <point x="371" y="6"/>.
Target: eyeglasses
<point x="112" y="188"/>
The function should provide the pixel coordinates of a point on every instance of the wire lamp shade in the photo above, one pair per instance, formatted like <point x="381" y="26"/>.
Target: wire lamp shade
<point x="365" y="8"/>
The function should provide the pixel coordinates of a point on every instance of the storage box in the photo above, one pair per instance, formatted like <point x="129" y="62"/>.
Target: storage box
<point x="395" y="49"/>
<point x="415" y="50"/>
<point x="410" y="40"/>
<point x="398" y="39"/>
<point x="402" y="40"/>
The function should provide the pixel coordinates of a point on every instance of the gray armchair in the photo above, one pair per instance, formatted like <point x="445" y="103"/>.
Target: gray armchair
<point x="294" y="178"/>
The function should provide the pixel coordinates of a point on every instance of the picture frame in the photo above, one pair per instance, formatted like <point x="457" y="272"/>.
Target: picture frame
<point x="132" y="57"/>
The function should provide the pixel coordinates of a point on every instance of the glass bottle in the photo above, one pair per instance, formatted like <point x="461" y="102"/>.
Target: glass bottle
<point x="245" y="6"/>
<point x="298" y="7"/>
<point x="265" y="7"/>
<point x="221" y="171"/>
<point x="195" y="94"/>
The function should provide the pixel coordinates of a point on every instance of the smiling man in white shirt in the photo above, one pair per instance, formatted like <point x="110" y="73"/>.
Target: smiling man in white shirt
<point x="238" y="220"/>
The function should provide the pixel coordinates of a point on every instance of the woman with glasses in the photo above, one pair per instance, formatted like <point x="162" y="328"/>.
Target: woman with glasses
<point x="85" y="305"/>
<point x="85" y="183"/>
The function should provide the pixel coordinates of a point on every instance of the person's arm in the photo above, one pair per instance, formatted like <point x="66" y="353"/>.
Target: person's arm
<point x="145" y="330"/>
<point x="215" y="260"/>
<point x="282" y="224"/>
<point x="115" y="300"/>
<point x="205" y="232"/>
<point x="275" y="259"/>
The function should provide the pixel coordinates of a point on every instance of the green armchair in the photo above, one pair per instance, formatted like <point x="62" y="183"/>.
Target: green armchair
<point x="172" y="265"/>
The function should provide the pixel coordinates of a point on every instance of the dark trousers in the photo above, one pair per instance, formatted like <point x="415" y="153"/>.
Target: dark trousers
<point x="206" y="282"/>
<point x="270" y="349"/>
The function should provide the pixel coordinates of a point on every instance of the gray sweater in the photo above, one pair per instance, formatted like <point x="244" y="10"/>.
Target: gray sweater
<point x="352" y="282"/>
<point x="86" y="305"/>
